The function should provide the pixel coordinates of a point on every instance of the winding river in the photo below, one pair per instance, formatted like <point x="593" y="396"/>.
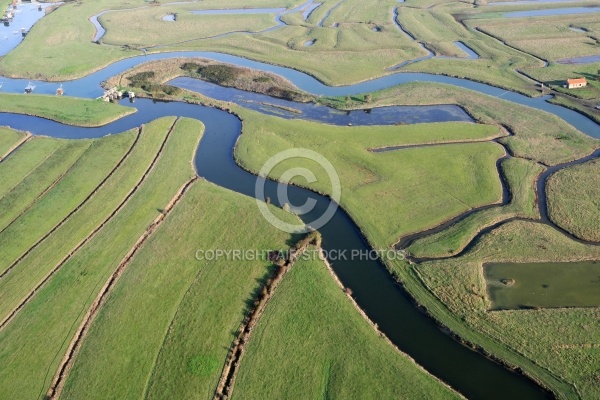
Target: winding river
<point x="376" y="292"/>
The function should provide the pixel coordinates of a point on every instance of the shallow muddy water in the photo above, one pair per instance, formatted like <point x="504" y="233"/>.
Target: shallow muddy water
<point x="543" y="285"/>
<point x="309" y="111"/>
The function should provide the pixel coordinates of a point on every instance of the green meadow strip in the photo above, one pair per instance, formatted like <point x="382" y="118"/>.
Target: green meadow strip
<point x="195" y="306"/>
<point x="34" y="267"/>
<point x="40" y="181"/>
<point x="311" y="342"/>
<point x="37" y="338"/>
<point x="520" y="175"/>
<point x="67" y="110"/>
<point x="91" y="168"/>
<point x="25" y="160"/>
<point x="8" y="140"/>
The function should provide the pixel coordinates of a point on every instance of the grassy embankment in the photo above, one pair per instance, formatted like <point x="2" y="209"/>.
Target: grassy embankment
<point x="336" y="362"/>
<point x="419" y="195"/>
<point x="9" y="139"/>
<point x="67" y="110"/>
<point x="37" y="338"/>
<point x="573" y="200"/>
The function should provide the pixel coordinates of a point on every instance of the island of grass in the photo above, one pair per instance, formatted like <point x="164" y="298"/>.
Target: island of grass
<point x="149" y="79"/>
<point x="63" y="109"/>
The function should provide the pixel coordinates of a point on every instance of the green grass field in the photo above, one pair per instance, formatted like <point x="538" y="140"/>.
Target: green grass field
<point x="8" y="140"/>
<point x="454" y="179"/>
<point x="563" y="342"/>
<point x="520" y="176"/>
<point x="195" y="306"/>
<point x="67" y="110"/>
<point x="40" y="261"/>
<point x="89" y="164"/>
<point x="20" y="164"/>
<point x="146" y="27"/>
<point x="538" y="135"/>
<point x="39" y="181"/>
<point x="72" y="210"/>
<point x="289" y="341"/>
<point x="573" y="201"/>
<point x="547" y="37"/>
<point x="37" y="338"/>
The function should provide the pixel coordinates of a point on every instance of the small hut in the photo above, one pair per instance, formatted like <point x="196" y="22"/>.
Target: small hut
<point x="575" y="83"/>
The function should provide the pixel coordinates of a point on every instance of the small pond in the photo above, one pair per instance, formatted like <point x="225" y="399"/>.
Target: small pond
<point x="514" y="286"/>
<point x="169" y="17"/>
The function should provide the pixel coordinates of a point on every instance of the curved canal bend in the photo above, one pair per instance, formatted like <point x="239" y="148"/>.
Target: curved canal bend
<point x="374" y="289"/>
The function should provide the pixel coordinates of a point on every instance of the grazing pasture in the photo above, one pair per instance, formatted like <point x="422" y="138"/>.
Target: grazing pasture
<point x="36" y="339"/>
<point x="424" y="186"/>
<point x="8" y="140"/>
<point x="346" y="359"/>
<point x="574" y="200"/>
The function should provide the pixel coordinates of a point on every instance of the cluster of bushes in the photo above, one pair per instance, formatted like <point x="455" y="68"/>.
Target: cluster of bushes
<point x="142" y="80"/>
<point x="281" y="93"/>
<point x="213" y="73"/>
<point x="190" y="67"/>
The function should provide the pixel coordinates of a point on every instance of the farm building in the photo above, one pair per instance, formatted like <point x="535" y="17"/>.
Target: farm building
<point x="576" y="83"/>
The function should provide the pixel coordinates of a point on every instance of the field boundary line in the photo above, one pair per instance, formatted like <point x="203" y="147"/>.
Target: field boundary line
<point x="88" y="238"/>
<point x="44" y="192"/>
<point x="67" y="362"/>
<point x="254" y="313"/>
<point x="16" y="146"/>
<point x="348" y="293"/>
<point x="384" y="149"/>
<point x="33" y="169"/>
<point x="72" y="212"/>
